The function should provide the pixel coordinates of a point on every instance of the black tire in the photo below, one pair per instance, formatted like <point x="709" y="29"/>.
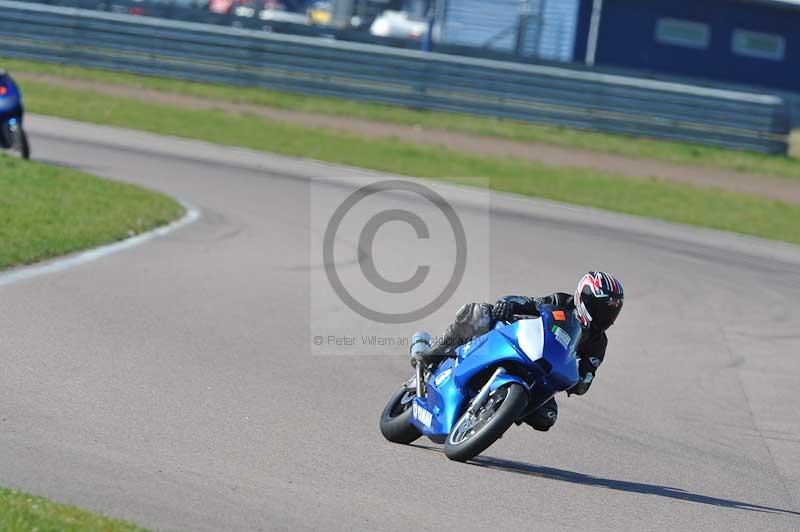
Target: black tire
<point x="24" y="147"/>
<point x="6" y="136"/>
<point x="396" y="418"/>
<point x="17" y="140"/>
<point x="462" y="447"/>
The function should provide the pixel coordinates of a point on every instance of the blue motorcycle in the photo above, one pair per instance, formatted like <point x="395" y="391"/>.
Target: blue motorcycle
<point x="12" y="135"/>
<point x="495" y="380"/>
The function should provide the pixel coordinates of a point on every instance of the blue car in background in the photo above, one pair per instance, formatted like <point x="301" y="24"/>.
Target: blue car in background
<point x="12" y="135"/>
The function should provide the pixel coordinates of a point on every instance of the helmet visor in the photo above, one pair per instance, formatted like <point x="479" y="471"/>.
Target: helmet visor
<point x="603" y="310"/>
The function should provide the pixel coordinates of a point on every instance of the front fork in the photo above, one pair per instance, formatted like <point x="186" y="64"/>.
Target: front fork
<point x="479" y="399"/>
<point x="477" y="403"/>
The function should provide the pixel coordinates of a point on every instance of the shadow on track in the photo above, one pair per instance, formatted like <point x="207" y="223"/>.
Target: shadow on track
<point x="562" y="475"/>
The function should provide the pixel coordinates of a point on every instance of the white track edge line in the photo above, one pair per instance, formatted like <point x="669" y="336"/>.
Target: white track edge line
<point x="24" y="273"/>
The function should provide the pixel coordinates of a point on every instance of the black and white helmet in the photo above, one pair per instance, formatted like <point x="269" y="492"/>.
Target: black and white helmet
<point x="598" y="300"/>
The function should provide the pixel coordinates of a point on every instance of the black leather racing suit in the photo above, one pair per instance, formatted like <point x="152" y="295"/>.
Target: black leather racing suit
<point x="475" y="319"/>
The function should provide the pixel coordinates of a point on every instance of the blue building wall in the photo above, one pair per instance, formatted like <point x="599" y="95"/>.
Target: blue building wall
<point x="545" y="29"/>
<point x="584" y="18"/>
<point x="627" y="39"/>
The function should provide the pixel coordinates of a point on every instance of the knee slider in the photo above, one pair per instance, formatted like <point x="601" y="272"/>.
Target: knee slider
<point x="543" y="418"/>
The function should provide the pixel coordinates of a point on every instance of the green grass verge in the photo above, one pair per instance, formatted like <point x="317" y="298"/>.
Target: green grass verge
<point x="667" y="201"/>
<point x="20" y="512"/>
<point x="46" y="211"/>
<point x="673" y="152"/>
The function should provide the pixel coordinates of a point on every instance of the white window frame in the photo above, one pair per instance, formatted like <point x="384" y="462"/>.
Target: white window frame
<point x="740" y="36"/>
<point x="665" y="38"/>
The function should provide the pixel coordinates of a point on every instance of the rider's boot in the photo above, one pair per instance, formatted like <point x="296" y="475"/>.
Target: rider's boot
<point x="433" y="356"/>
<point x="472" y="320"/>
<point x="440" y="349"/>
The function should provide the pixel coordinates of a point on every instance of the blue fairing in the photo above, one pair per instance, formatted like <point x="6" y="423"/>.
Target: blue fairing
<point x="564" y="365"/>
<point x="508" y="378"/>
<point x="538" y="353"/>
<point x="11" y="101"/>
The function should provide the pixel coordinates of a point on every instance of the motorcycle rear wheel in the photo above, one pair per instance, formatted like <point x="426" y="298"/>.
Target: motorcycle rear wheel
<point x="23" y="147"/>
<point x="474" y="433"/>
<point x="396" y="418"/>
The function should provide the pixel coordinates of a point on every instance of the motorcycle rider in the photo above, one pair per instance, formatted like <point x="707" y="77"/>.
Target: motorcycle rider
<point x="597" y="302"/>
<point x="11" y="116"/>
<point x="7" y="86"/>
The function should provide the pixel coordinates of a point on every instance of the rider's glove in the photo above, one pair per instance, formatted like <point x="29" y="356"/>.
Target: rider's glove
<point x="504" y="310"/>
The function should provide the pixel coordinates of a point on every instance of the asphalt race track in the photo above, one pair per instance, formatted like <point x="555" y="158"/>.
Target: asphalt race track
<point x="174" y="383"/>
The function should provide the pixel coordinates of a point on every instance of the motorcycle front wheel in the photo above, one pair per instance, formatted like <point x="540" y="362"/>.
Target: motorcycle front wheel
<point x="474" y="433"/>
<point x="396" y="418"/>
<point x="15" y="140"/>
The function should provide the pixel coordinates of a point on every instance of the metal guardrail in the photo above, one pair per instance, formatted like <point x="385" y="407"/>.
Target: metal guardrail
<point x="534" y="93"/>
